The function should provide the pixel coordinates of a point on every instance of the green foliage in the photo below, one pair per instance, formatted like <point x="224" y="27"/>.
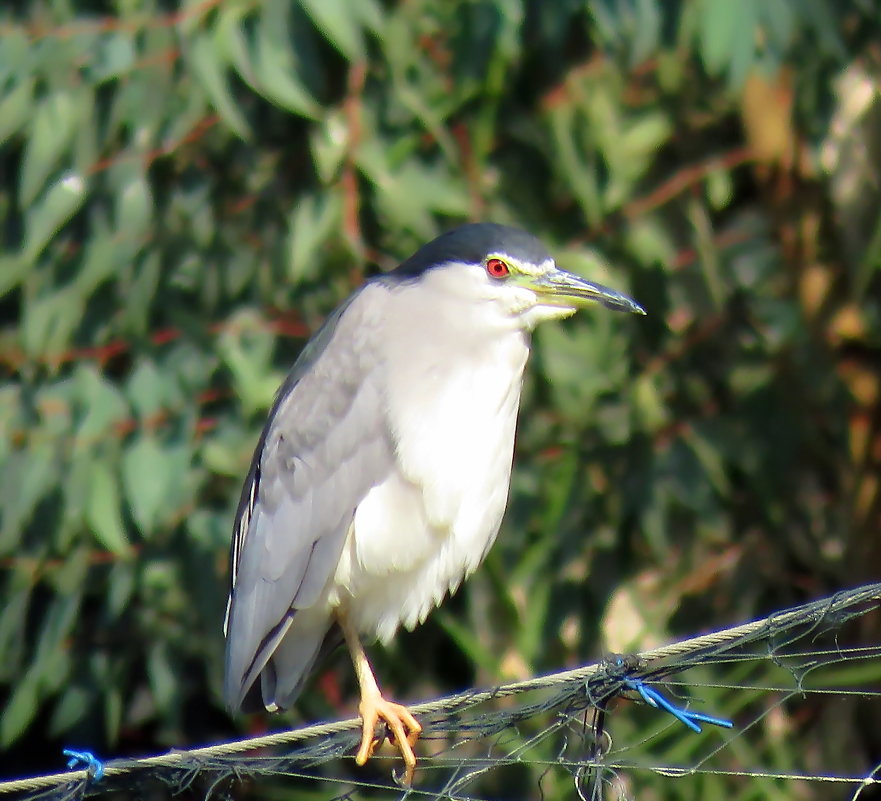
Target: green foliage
<point x="187" y="191"/>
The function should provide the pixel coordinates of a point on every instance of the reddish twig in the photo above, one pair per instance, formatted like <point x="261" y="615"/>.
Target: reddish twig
<point x="349" y="178"/>
<point x="686" y="178"/>
<point x="283" y="326"/>
<point x="195" y="133"/>
<point x="35" y="567"/>
<point x="112" y="24"/>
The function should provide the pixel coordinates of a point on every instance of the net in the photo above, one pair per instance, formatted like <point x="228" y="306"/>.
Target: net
<point x="589" y="730"/>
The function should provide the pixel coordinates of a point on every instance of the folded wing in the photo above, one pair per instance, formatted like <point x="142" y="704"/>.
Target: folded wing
<point x="325" y="444"/>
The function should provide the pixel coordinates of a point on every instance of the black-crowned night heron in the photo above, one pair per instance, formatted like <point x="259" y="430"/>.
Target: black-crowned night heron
<point x="382" y="473"/>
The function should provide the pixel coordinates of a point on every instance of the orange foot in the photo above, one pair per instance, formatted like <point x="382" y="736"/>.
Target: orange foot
<point x="405" y="730"/>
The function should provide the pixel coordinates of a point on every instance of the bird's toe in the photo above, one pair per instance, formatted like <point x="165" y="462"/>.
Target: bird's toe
<point x="404" y="731"/>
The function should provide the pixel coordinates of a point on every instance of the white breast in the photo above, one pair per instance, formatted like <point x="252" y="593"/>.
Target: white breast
<point x="452" y="406"/>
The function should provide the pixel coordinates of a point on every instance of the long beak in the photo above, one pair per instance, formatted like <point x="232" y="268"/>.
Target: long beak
<point x="561" y="288"/>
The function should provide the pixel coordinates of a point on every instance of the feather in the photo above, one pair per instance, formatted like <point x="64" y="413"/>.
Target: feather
<point x="324" y="446"/>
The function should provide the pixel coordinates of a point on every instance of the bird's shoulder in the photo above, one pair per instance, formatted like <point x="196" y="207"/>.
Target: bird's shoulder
<point x="331" y="368"/>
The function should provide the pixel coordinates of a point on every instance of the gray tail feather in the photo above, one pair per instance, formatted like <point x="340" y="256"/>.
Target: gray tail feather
<point x="281" y="678"/>
<point x="291" y="664"/>
<point x="240" y="676"/>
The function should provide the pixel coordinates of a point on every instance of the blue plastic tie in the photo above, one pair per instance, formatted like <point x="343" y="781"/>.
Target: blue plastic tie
<point x="691" y="719"/>
<point x="85" y="760"/>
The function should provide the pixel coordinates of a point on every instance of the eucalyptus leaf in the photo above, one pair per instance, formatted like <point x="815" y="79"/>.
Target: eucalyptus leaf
<point x="20" y="710"/>
<point x="275" y="65"/>
<point x="335" y="19"/>
<point x="146" y="480"/>
<point x="209" y="65"/>
<point x="61" y="201"/>
<point x="52" y="129"/>
<point x="104" y="510"/>
<point x="16" y="107"/>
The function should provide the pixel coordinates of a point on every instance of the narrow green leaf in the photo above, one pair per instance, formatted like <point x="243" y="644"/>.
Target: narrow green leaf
<point x="275" y="65"/>
<point x="100" y="263"/>
<point x="645" y="135"/>
<point x="15" y="108"/>
<point x="246" y="349"/>
<point x="13" y="622"/>
<point x="330" y="141"/>
<point x="779" y="20"/>
<point x="720" y="188"/>
<point x="145" y="477"/>
<point x="650" y="240"/>
<point x="104" y="509"/>
<point x="16" y="52"/>
<point x="71" y="708"/>
<point x="577" y="173"/>
<point x="113" y="711"/>
<point x="102" y="401"/>
<point x="45" y="219"/>
<point x="146" y="388"/>
<point x="121" y="583"/>
<point x="707" y="453"/>
<point x="115" y="56"/>
<point x="870" y="263"/>
<point x="163" y="679"/>
<point x="743" y="47"/>
<point x="147" y="270"/>
<point x="59" y="621"/>
<point x="718" y="24"/>
<point x="371" y="14"/>
<point x="50" y="322"/>
<point x="50" y="135"/>
<point x="647" y="30"/>
<point x="13" y="270"/>
<point x="648" y="403"/>
<point x="231" y="38"/>
<point x="26" y="478"/>
<point x="336" y="20"/>
<point x="211" y="69"/>
<point x="134" y="207"/>
<point x="20" y="710"/>
<point x="223" y="451"/>
<point x="311" y="224"/>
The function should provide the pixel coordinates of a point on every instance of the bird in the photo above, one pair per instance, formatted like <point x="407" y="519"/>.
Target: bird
<point x="382" y="473"/>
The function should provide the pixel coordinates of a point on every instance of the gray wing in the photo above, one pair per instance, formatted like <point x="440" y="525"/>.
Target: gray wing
<point x="323" y="447"/>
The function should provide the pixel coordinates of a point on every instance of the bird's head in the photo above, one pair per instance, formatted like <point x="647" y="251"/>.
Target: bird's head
<point x="508" y="272"/>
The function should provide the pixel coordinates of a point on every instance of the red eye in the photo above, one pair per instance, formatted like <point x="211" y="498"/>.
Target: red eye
<point x="497" y="268"/>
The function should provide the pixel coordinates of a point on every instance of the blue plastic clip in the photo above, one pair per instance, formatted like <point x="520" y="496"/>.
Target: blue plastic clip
<point x="691" y="719"/>
<point x="85" y="760"/>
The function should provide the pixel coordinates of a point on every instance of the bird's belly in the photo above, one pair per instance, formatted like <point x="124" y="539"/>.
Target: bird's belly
<point x="417" y="534"/>
<point x="396" y="566"/>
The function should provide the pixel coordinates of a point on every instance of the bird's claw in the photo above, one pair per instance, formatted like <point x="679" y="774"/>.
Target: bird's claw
<point x="402" y="729"/>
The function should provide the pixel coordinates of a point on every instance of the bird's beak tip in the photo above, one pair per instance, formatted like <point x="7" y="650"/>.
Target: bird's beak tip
<point x="621" y="303"/>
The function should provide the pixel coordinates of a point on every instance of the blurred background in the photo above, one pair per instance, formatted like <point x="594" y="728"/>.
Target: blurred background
<point x="188" y="189"/>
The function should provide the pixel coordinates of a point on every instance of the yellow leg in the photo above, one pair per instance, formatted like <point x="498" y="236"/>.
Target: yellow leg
<point x="373" y="707"/>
